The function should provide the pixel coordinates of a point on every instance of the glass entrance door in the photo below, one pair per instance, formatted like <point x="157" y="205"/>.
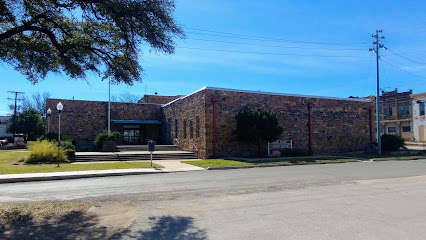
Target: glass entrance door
<point x="131" y="136"/>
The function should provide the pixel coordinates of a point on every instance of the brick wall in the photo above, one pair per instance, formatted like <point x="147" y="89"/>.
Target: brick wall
<point x="158" y="99"/>
<point x="83" y="120"/>
<point x="337" y="125"/>
<point x="188" y="108"/>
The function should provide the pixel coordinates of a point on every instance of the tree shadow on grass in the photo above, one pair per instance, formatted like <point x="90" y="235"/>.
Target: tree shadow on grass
<point x="168" y="227"/>
<point x="75" y="225"/>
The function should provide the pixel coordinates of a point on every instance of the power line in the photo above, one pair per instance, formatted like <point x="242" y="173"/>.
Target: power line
<point x="401" y="69"/>
<point x="270" y="53"/>
<point x="278" y="46"/>
<point x="396" y="62"/>
<point x="260" y="38"/>
<point x="408" y="59"/>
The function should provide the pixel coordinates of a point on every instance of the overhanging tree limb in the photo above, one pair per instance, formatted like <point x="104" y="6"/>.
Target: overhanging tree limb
<point x="76" y="36"/>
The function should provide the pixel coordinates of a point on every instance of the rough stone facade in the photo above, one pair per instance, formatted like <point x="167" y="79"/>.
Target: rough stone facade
<point x="158" y="99"/>
<point x="204" y="121"/>
<point x="83" y="120"/>
<point x="337" y="125"/>
<point x="184" y="111"/>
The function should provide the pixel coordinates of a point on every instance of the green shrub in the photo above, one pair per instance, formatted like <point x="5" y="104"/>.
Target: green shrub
<point x="16" y="145"/>
<point x="69" y="148"/>
<point x="293" y="153"/>
<point x="102" y="137"/>
<point x="45" y="152"/>
<point x="54" y="137"/>
<point x="49" y="136"/>
<point x="392" y="142"/>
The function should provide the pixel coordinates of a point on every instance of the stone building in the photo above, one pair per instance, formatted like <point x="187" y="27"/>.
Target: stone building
<point x="419" y="116"/>
<point x="204" y="121"/>
<point x="396" y="113"/>
<point x="83" y="120"/>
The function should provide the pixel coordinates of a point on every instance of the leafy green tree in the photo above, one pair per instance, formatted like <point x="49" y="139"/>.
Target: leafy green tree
<point x="28" y="123"/>
<point x="257" y="127"/>
<point x="80" y="36"/>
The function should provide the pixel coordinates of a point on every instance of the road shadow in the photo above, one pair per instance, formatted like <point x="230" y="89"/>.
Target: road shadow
<point x="168" y="227"/>
<point x="75" y="225"/>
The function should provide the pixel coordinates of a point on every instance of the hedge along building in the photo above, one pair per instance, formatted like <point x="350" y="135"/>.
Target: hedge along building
<point x="204" y="121"/>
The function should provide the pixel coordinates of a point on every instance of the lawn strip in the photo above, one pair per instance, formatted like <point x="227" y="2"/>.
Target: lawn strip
<point x="65" y="167"/>
<point x="224" y="163"/>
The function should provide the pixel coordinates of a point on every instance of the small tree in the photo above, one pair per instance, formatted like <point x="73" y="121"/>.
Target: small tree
<point x="102" y="137"/>
<point x="392" y="142"/>
<point x="257" y="127"/>
<point x="28" y="123"/>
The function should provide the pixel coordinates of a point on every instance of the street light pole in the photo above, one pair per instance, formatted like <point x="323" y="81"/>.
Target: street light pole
<point x="109" y="107"/>
<point x="59" y="107"/>
<point x="49" y="111"/>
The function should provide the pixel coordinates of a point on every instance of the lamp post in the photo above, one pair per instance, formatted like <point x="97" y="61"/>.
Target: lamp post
<point x="59" y="107"/>
<point x="49" y="111"/>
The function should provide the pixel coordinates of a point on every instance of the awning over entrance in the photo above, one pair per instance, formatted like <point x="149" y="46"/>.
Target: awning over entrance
<point x="137" y="121"/>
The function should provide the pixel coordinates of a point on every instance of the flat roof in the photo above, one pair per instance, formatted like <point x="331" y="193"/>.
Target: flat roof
<point x="268" y="93"/>
<point x="59" y="99"/>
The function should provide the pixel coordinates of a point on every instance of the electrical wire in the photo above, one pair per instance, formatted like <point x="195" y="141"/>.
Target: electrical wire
<point x="401" y="69"/>
<point x="260" y="38"/>
<point x="278" y="46"/>
<point x="408" y="59"/>
<point x="270" y="53"/>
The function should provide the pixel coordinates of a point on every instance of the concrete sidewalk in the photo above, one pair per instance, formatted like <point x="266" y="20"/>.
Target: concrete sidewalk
<point x="169" y="167"/>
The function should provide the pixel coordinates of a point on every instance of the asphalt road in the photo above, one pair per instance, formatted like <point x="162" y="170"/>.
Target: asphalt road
<point x="363" y="200"/>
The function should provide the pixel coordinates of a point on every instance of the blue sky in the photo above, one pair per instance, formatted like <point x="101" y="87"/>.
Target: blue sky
<point x="299" y="47"/>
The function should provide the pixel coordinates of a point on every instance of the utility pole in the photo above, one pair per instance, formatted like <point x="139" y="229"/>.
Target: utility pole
<point x="14" y="112"/>
<point x="375" y="49"/>
<point x="109" y="106"/>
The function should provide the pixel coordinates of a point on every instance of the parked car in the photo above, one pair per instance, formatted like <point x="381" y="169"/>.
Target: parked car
<point x="3" y="142"/>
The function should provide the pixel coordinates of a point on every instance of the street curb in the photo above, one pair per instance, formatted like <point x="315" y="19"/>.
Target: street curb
<point x="398" y="159"/>
<point x="51" y="178"/>
<point x="279" y="165"/>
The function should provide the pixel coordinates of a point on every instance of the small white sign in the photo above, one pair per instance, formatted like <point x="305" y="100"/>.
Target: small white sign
<point x="280" y="144"/>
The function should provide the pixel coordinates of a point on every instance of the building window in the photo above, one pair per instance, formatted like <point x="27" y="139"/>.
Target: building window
<point x="391" y="129"/>
<point x="407" y="109"/>
<point x="169" y="126"/>
<point x="401" y="110"/>
<point x="422" y="108"/>
<point x="197" y="132"/>
<point x="184" y="128"/>
<point x="176" y="128"/>
<point x="390" y="110"/>
<point x="191" y="129"/>
<point x="406" y="128"/>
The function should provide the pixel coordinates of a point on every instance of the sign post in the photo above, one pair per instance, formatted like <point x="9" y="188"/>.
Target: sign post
<point x="151" y="148"/>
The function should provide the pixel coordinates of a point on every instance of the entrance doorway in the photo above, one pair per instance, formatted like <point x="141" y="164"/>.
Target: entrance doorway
<point x="421" y="133"/>
<point x="131" y="136"/>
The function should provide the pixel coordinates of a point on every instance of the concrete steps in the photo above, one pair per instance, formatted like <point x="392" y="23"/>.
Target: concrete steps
<point x="127" y="148"/>
<point x="421" y="144"/>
